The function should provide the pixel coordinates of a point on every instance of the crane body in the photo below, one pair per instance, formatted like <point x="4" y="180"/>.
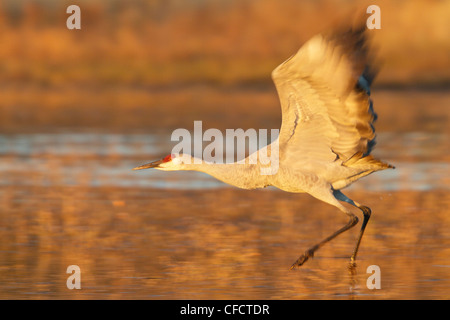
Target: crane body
<point x="327" y="131"/>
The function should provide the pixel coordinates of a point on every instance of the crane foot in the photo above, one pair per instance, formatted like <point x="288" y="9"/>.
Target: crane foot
<point x="303" y="258"/>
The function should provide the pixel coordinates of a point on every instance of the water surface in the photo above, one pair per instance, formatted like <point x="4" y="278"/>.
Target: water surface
<point x="70" y="198"/>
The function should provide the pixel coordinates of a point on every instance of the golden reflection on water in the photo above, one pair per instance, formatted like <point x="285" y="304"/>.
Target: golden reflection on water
<point x="226" y="244"/>
<point x="72" y="199"/>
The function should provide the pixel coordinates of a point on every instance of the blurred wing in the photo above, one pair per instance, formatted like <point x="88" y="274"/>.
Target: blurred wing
<point x="324" y="95"/>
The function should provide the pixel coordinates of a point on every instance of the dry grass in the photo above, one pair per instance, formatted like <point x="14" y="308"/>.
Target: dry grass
<point x="158" y="43"/>
<point x="144" y="64"/>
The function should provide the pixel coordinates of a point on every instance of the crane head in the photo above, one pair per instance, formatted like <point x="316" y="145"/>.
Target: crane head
<point x="171" y="162"/>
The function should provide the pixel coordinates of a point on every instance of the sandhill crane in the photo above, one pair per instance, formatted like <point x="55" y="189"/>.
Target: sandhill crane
<point x="326" y="134"/>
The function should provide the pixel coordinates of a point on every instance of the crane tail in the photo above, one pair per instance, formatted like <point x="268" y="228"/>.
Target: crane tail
<point x="358" y="160"/>
<point x="366" y="166"/>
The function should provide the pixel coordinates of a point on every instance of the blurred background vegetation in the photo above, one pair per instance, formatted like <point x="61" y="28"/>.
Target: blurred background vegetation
<point x="135" y="57"/>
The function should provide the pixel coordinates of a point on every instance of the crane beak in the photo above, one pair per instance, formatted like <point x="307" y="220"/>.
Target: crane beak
<point x="153" y="164"/>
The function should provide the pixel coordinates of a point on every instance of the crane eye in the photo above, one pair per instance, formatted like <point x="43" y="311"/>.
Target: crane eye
<point x="167" y="158"/>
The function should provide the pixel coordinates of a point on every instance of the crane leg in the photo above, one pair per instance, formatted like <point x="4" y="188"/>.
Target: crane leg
<point x="310" y="252"/>
<point x="366" y="212"/>
<point x="331" y="198"/>
<point x="338" y="195"/>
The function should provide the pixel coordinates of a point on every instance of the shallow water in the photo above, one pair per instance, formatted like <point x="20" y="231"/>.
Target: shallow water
<point x="91" y="159"/>
<point x="71" y="198"/>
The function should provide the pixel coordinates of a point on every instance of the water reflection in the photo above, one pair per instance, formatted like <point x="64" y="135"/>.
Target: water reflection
<point x="73" y="199"/>
<point x="152" y="243"/>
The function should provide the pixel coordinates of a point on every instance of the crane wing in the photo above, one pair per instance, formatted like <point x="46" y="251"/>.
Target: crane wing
<point x="324" y="95"/>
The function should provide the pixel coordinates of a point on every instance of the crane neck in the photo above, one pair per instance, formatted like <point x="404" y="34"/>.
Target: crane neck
<point x="241" y="175"/>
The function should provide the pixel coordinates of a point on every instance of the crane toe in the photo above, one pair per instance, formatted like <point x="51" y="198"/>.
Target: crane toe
<point x="303" y="258"/>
